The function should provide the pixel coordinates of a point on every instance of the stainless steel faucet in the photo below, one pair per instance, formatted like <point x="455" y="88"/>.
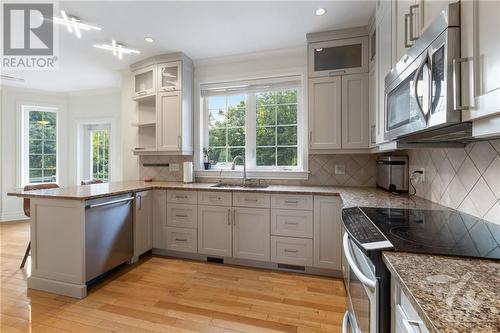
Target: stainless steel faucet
<point x="244" y="167"/>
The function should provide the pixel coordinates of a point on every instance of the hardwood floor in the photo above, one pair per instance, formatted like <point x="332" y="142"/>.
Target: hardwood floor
<point x="169" y="295"/>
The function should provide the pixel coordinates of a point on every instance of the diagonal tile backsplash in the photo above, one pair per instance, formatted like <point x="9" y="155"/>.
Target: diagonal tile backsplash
<point x="467" y="179"/>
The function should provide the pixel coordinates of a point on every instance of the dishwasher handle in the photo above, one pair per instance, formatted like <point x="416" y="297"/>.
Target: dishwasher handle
<point x="110" y="202"/>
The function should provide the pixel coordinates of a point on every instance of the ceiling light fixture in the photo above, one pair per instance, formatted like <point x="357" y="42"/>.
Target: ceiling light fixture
<point x="118" y="49"/>
<point x="73" y="23"/>
<point x="320" y="12"/>
<point x="149" y="39"/>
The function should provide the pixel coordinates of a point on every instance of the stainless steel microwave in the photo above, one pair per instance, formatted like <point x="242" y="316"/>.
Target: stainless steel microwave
<point x="422" y="90"/>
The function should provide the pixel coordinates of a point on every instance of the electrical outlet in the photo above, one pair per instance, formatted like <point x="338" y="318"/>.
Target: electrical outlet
<point x="422" y="175"/>
<point x="173" y="167"/>
<point x="339" y="169"/>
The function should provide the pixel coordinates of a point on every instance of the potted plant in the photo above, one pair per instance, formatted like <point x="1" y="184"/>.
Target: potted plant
<point x="207" y="155"/>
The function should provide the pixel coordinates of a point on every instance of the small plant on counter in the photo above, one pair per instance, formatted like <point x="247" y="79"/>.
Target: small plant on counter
<point x="207" y="157"/>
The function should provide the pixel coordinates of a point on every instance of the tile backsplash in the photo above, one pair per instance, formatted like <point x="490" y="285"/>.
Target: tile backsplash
<point x="359" y="170"/>
<point x="467" y="179"/>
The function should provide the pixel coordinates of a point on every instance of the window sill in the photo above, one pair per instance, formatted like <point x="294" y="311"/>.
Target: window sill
<point x="259" y="174"/>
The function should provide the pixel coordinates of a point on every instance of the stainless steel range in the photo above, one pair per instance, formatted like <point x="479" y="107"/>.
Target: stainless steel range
<point x="371" y="230"/>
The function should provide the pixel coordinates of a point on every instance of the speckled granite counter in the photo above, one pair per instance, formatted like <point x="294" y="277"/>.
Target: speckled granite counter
<point x="450" y="294"/>
<point x="351" y="196"/>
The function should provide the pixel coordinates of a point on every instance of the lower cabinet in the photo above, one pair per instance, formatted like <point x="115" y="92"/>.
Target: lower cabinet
<point x="215" y="230"/>
<point x="251" y="227"/>
<point x="327" y="232"/>
<point x="181" y="239"/>
<point x="404" y="317"/>
<point x="143" y="222"/>
<point x="293" y="251"/>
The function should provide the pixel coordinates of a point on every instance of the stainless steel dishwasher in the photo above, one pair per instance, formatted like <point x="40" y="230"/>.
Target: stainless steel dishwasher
<point x="109" y="238"/>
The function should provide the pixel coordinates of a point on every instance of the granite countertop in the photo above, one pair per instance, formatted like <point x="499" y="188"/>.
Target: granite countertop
<point x="351" y="196"/>
<point x="450" y="294"/>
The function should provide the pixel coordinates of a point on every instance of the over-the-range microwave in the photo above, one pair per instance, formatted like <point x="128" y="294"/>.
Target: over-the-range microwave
<point x="422" y="91"/>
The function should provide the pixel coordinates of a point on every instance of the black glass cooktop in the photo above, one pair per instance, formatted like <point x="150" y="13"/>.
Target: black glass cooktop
<point x="445" y="232"/>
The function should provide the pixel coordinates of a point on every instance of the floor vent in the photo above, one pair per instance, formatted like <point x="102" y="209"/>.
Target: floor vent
<point x="217" y="260"/>
<point x="294" y="267"/>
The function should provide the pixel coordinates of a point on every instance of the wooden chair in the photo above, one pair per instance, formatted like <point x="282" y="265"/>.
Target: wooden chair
<point x="92" y="181"/>
<point x="27" y="212"/>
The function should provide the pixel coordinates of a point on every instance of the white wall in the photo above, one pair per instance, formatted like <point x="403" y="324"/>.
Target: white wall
<point x="73" y="107"/>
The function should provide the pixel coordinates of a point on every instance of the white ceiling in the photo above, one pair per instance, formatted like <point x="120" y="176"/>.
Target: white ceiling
<point x="200" y="29"/>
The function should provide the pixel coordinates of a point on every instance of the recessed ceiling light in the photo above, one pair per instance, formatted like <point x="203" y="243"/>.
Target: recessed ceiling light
<point x="320" y="12"/>
<point x="149" y="39"/>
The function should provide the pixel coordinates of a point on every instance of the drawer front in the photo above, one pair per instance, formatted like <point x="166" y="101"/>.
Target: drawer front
<point x="293" y="251"/>
<point x="183" y="197"/>
<point x="182" y="215"/>
<point x="292" y="201"/>
<point x="296" y="223"/>
<point x="181" y="239"/>
<point x="215" y="198"/>
<point x="251" y="199"/>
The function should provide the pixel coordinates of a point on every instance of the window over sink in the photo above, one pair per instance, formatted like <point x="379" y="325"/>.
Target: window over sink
<point x="260" y="120"/>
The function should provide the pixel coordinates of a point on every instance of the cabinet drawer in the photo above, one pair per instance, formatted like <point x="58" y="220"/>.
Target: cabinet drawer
<point x="180" y="196"/>
<point x="181" y="239"/>
<point x="296" y="223"/>
<point x="293" y="251"/>
<point x="214" y="198"/>
<point x="182" y="215"/>
<point x="251" y="199"/>
<point x="292" y="201"/>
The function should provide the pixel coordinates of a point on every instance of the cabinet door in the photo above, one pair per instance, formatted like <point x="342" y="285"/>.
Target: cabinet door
<point x="372" y="108"/>
<point x="251" y="233"/>
<point x="169" y="121"/>
<point x="159" y="218"/>
<point x="143" y="221"/>
<point x="480" y="44"/>
<point x="355" y="130"/>
<point x="169" y="76"/>
<point x="384" y="65"/>
<point x="215" y="231"/>
<point x="406" y="24"/>
<point x="144" y="82"/>
<point x="327" y="232"/>
<point x="325" y="109"/>
<point x="431" y="10"/>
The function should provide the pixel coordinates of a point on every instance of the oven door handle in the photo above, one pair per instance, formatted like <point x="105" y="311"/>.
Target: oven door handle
<point x="362" y="278"/>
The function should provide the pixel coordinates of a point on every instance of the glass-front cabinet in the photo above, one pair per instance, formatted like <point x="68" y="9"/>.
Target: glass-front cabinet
<point x="338" y="57"/>
<point x="144" y="82"/>
<point x="169" y="76"/>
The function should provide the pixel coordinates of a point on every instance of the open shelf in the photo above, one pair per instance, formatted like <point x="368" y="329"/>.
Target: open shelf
<point x="141" y="125"/>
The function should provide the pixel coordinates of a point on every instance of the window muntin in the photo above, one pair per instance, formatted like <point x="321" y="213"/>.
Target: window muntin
<point x="100" y="154"/>
<point x="226" y="127"/>
<point x="41" y="146"/>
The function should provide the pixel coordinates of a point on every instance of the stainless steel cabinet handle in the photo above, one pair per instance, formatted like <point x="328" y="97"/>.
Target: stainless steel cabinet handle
<point x="234" y="217"/>
<point x="413" y="37"/>
<point x="291" y="202"/>
<point x="179" y="141"/>
<point x="407" y="22"/>
<point x="140" y="202"/>
<point x="181" y="215"/>
<point x="310" y="136"/>
<point x="214" y="197"/>
<point x="181" y="239"/>
<point x="181" y="196"/>
<point x="291" y="251"/>
<point x="291" y="223"/>
<point x="251" y="199"/>
<point x="457" y="85"/>
<point x="110" y="202"/>
<point x="229" y="216"/>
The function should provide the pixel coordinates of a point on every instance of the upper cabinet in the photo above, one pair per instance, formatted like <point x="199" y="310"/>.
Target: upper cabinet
<point x="480" y="60"/>
<point x="169" y="76"/>
<point x="338" y="64"/>
<point x="338" y="57"/>
<point x="406" y="24"/>
<point x="144" y="81"/>
<point x="163" y="89"/>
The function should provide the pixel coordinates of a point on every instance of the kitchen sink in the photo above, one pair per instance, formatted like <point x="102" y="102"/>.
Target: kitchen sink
<point x="222" y="185"/>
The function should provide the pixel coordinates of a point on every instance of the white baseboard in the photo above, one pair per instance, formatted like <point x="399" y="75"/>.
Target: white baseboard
<point x="57" y="287"/>
<point x="12" y="216"/>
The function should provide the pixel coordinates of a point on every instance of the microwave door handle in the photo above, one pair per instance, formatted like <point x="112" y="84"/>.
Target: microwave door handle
<point x="415" y="87"/>
<point x="362" y="278"/>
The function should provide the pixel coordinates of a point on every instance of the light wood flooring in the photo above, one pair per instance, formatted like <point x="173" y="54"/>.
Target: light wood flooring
<point x="169" y="295"/>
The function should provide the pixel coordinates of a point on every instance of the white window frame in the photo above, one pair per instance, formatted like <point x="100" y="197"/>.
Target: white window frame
<point x="25" y="110"/>
<point x="101" y="127"/>
<point x="298" y="172"/>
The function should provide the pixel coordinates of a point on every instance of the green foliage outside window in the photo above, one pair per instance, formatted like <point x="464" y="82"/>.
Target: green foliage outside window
<point x="100" y="155"/>
<point x="42" y="146"/>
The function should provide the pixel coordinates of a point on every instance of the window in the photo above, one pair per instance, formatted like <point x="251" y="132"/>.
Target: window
<point x="40" y="156"/>
<point x="100" y="154"/>
<point x="259" y="121"/>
